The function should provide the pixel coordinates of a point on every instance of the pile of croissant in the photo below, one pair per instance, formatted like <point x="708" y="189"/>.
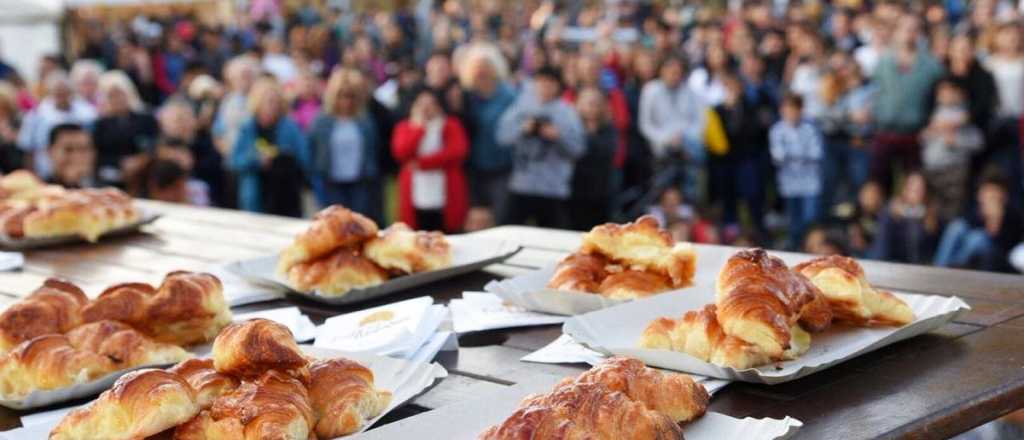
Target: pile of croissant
<point x="56" y="337"/>
<point x="31" y="208"/>
<point x="258" y="385"/>
<point x="627" y="261"/>
<point x="343" y="250"/>
<point x="619" y="399"/>
<point x="764" y="312"/>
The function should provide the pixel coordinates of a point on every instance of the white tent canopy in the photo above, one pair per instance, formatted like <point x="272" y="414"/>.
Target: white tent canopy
<point x="29" y="29"/>
<point x="22" y="11"/>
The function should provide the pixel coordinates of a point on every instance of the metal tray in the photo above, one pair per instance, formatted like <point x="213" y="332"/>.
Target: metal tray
<point x="18" y="244"/>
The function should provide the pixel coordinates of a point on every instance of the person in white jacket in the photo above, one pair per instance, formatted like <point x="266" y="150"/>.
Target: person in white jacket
<point x="672" y="118"/>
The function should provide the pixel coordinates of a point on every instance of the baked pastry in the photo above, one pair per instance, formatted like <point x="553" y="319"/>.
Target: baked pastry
<point x="343" y="396"/>
<point x="580" y="272"/>
<point x="632" y="284"/>
<point x="88" y="213"/>
<point x="584" y="411"/>
<point x="248" y="349"/>
<point x="643" y="245"/>
<point x="19" y="181"/>
<point x="48" y="362"/>
<point x="853" y="300"/>
<point x="187" y="308"/>
<point x="698" y="334"/>
<point x="206" y="381"/>
<point x="55" y="307"/>
<point x="140" y="404"/>
<point x="12" y="217"/>
<point x="673" y="394"/>
<point x="332" y="228"/>
<point x="337" y="273"/>
<point x="760" y="301"/>
<point x="124" y="346"/>
<point x="275" y="406"/>
<point x="402" y="249"/>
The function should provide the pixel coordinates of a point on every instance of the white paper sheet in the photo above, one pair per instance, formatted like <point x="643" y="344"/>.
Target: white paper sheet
<point x="403" y="378"/>
<point x="465" y="420"/>
<point x="393" y="329"/>
<point x="564" y="350"/>
<point x="478" y="311"/>
<point x="239" y="290"/>
<point x="11" y="260"/>
<point x="617" y="330"/>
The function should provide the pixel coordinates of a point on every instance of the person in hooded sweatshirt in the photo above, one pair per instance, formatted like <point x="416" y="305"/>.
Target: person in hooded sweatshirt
<point x="546" y="137"/>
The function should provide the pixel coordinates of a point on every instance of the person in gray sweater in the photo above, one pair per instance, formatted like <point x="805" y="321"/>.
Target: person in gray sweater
<point x="547" y="138"/>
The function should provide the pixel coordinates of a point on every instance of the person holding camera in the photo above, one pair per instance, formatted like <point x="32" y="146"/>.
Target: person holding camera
<point x="547" y="138"/>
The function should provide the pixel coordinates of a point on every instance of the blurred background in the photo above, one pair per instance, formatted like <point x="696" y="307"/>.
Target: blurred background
<point x="879" y="129"/>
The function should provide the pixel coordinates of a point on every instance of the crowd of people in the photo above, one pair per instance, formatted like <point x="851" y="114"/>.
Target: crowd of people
<point x="880" y="129"/>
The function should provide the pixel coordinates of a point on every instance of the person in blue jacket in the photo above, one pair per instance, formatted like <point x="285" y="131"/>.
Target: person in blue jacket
<point x="271" y="156"/>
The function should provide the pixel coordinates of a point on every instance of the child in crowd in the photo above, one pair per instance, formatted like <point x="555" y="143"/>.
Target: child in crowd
<point x="949" y="140"/>
<point x="983" y="239"/>
<point x="907" y="230"/>
<point x="671" y="208"/>
<point x="796" y="149"/>
<point x="163" y="178"/>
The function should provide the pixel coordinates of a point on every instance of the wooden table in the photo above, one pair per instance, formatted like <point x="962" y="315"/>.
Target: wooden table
<point x="932" y="386"/>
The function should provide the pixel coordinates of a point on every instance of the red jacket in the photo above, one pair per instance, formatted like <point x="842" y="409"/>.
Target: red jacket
<point x="405" y="142"/>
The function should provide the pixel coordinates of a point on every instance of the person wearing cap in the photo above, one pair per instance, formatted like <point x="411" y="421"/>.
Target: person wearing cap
<point x="546" y="137"/>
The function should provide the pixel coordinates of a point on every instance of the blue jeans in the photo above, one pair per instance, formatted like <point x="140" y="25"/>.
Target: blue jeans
<point x="363" y="196"/>
<point x="801" y="212"/>
<point x="843" y="162"/>
<point x="962" y="245"/>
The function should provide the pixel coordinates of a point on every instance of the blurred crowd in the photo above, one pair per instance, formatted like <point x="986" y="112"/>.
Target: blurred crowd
<point x="878" y="129"/>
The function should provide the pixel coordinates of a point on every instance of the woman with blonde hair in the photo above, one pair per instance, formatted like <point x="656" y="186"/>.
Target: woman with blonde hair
<point x="270" y="155"/>
<point x="345" y="145"/>
<point x="125" y="133"/>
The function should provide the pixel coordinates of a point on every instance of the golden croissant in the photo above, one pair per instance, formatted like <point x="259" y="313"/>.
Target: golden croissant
<point x="48" y="362"/>
<point x="187" y="308"/>
<point x="205" y="380"/>
<point x="343" y="396"/>
<point x="580" y="272"/>
<point x="53" y="308"/>
<point x="761" y="301"/>
<point x="332" y="228"/>
<point x="275" y="406"/>
<point x="676" y="395"/>
<point x="630" y="284"/>
<point x="853" y="300"/>
<point x="643" y="245"/>
<point x="88" y="213"/>
<point x="140" y="404"/>
<point x="402" y="249"/>
<point x="336" y="273"/>
<point x="123" y="345"/>
<point x="250" y="348"/>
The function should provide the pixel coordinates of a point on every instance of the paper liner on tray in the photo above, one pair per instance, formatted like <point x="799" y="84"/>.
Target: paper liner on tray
<point x="403" y="378"/>
<point x="465" y="420"/>
<point x="37" y="399"/>
<point x="617" y="330"/>
<point x="10" y="243"/>
<point x="530" y="291"/>
<point x="468" y="254"/>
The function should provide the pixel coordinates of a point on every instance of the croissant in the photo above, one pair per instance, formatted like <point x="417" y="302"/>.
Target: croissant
<point x="140" y="404"/>
<point x="275" y="406"/>
<point x="643" y="245"/>
<point x="400" y="248"/>
<point x="332" y="228"/>
<point x="584" y="411"/>
<point x="206" y="381"/>
<point x="336" y="273"/>
<point x="631" y="284"/>
<point x="698" y="334"/>
<point x="760" y="301"/>
<point x="187" y="308"/>
<point x="124" y="346"/>
<point x="853" y="300"/>
<point x="673" y="394"/>
<point x="45" y="363"/>
<point x="55" y="307"/>
<point x="85" y="212"/>
<point x="248" y="349"/>
<point x="343" y="397"/>
<point x="12" y="217"/>
<point x="19" y="181"/>
<point x="579" y="272"/>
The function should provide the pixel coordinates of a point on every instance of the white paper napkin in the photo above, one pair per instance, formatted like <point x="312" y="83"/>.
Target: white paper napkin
<point x="440" y="341"/>
<point x="478" y="311"/>
<point x="239" y="290"/>
<point x="51" y="417"/>
<point x="301" y="326"/>
<point x="11" y="260"/>
<point x="564" y="350"/>
<point x="398" y="329"/>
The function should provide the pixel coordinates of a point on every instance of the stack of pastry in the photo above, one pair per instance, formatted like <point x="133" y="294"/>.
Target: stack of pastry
<point x="619" y="399"/>
<point x="56" y="337"/>
<point x="258" y="385"/>
<point x="764" y="312"/>
<point x="31" y="208"/>
<point x="343" y="250"/>
<point x="627" y="261"/>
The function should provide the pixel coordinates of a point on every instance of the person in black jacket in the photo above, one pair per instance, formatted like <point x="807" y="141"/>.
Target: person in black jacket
<point x="592" y="182"/>
<point x="126" y="132"/>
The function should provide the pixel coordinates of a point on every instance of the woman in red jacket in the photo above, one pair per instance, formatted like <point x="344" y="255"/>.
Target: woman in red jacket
<point x="431" y="147"/>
